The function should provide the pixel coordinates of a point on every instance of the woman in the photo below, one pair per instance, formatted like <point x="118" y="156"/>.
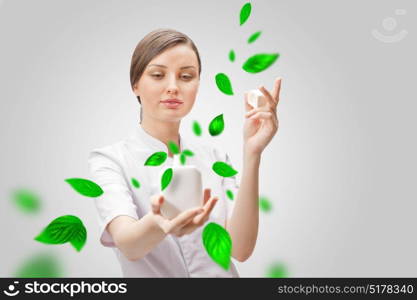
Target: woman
<point x="165" y="76"/>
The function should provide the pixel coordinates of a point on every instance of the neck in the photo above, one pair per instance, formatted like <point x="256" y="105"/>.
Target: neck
<point x="163" y="131"/>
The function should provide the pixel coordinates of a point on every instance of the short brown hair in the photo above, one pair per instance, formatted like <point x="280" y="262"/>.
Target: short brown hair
<point x="152" y="45"/>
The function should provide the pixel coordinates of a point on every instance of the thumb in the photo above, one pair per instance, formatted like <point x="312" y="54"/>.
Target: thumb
<point x="248" y="107"/>
<point x="157" y="201"/>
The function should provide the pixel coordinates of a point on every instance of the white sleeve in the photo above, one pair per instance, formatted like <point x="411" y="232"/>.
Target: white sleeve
<point x="117" y="198"/>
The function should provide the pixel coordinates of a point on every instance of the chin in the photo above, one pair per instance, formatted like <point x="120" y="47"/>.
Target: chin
<point x="173" y="117"/>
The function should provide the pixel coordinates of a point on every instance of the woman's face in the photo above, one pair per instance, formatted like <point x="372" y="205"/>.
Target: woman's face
<point x="173" y="74"/>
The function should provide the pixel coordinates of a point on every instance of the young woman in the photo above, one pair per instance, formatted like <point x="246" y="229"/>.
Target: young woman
<point x="165" y="76"/>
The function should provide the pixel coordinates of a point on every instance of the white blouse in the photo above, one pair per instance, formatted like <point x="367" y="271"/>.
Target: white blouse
<point x="112" y="167"/>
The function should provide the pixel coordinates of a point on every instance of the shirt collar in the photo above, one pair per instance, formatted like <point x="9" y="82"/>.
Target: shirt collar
<point x="145" y="138"/>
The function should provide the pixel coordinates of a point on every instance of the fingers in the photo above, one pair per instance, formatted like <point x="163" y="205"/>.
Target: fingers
<point x="185" y="217"/>
<point x="156" y="203"/>
<point x="201" y="218"/>
<point x="188" y="220"/>
<point x="248" y="107"/>
<point x="262" y="115"/>
<point x="273" y="98"/>
<point x="207" y="195"/>
<point x="277" y="89"/>
<point x="267" y="95"/>
<point x="265" y="116"/>
<point x="256" y="110"/>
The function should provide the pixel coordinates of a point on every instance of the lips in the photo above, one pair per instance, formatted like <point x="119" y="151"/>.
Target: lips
<point x="172" y="101"/>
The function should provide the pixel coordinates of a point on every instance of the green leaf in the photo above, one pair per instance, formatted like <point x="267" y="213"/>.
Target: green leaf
<point x="230" y="195"/>
<point x="40" y="265"/>
<point x="173" y="147"/>
<point x="182" y="158"/>
<point x="85" y="187"/>
<point x="26" y="200"/>
<point x="78" y="238"/>
<point x="265" y="204"/>
<point x="64" y="229"/>
<point x="232" y="56"/>
<point x="259" y="62"/>
<point x="156" y="159"/>
<point x="188" y="152"/>
<point x="223" y="169"/>
<point x="166" y="178"/>
<point x="216" y="125"/>
<point x="277" y="270"/>
<point x="135" y="183"/>
<point x="245" y="13"/>
<point x="224" y="84"/>
<point x="218" y="244"/>
<point x="196" y="128"/>
<point x="254" y="37"/>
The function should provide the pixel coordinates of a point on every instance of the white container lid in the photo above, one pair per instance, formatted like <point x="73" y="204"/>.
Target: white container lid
<point x="253" y="97"/>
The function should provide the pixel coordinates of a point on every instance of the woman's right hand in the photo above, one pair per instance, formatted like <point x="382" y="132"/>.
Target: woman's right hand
<point x="188" y="220"/>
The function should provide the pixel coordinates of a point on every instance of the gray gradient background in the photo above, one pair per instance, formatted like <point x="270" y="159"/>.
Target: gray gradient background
<point x="341" y="172"/>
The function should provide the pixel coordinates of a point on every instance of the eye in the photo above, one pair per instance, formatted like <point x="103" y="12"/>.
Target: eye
<point x="186" y="77"/>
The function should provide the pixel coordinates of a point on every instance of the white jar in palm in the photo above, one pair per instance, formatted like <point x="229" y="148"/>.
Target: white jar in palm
<point x="184" y="191"/>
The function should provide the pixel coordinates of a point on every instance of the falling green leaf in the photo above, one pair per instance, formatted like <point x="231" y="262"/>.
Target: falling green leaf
<point x="254" y="37"/>
<point x="196" y="128"/>
<point x="218" y="244"/>
<point x="166" y="178"/>
<point x="182" y="158"/>
<point x="224" y="84"/>
<point x="173" y="147"/>
<point x="40" y="265"/>
<point x="265" y="204"/>
<point x="64" y="229"/>
<point x="26" y="200"/>
<point x="259" y="62"/>
<point x="232" y="56"/>
<point x="156" y="159"/>
<point x="188" y="152"/>
<point x="78" y="238"/>
<point x="277" y="270"/>
<point x="245" y="13"/>
<point x="85" y="187"/>
<point x="216" y="125"/>
<point x="135" y="183"/>
<point x="230" y="195"/>
<point x="223" y="169"/>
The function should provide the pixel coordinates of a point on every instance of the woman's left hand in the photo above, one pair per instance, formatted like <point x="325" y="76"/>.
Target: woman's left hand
<point x="261" y="123"/>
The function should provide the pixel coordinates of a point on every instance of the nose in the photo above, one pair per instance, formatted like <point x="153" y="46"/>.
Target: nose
<point x="172" y="87"/>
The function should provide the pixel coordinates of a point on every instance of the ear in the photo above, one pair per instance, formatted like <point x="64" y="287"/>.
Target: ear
<point x="135" y="89"/>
